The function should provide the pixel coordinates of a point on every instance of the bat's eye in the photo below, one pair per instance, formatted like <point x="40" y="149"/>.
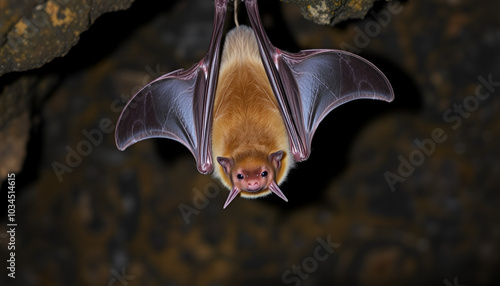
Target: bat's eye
<point x="239" y="176"/>
<point x="264" y="174"/>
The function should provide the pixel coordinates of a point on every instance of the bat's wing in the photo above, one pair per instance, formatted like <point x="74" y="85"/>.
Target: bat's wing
<point x="178" y="105"/>
<point x="311" y="83"/>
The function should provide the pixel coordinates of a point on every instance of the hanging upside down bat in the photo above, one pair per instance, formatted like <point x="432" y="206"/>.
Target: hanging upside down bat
<point x="254" y="110"/>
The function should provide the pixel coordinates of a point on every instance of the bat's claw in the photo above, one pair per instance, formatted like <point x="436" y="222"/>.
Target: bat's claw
<point x="299" y="155"/>
<point x="205" y="168"/>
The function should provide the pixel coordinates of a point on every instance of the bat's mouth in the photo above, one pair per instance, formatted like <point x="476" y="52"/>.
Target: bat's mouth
<point x="253" y="191"/>
<point x="255" y="194"/>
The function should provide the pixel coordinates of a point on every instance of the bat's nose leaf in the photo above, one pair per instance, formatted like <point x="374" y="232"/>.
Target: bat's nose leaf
<point x="234" y="192"/>
<point x="275" y="189"/>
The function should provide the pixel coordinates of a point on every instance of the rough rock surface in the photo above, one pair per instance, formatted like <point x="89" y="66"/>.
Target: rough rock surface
<point x="332" y="12"/>
<point x="33" y="32"/>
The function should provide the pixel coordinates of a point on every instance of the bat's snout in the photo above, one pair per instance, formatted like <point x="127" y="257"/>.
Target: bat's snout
<point x="254" y="186"/>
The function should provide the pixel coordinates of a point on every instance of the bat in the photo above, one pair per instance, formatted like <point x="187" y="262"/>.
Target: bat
<point x="252" y="108"/>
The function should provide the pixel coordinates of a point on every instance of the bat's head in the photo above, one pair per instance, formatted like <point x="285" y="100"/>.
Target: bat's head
<point x="253" y="175"/>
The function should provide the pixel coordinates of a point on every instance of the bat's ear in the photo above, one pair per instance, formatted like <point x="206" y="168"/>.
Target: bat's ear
<point x="275" y="189"/>
<point x="275" y="159"/>
<point x="226" y="163"/>
<point x="234" y="192"/>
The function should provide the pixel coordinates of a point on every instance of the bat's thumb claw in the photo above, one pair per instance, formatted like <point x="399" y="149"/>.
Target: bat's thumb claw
<point x="205" y="168"/>
<point x="234" y="192"/>
<point x="275" y="189"/>
<point x="299" y="153"/>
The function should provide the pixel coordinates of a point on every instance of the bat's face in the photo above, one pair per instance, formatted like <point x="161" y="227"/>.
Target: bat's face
<point x="253" y="181"/>
<point x="252" y="176"/>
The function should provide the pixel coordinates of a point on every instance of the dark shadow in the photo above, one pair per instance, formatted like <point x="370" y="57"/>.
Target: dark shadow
<point x="171" y="151"/>
<point x="107" y="33"/>
<point x="30" y="167"/>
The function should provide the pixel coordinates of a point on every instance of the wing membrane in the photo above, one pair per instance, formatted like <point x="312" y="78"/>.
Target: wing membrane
<point x="178" y="105"/>
<point x="311" y="83"/>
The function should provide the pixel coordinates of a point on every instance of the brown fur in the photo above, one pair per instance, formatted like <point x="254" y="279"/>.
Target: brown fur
<point x="247" y="124"/>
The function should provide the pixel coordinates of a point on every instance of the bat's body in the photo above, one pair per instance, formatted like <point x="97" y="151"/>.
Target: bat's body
<point x="247" y="123"/>
<point x="255" y="111"/>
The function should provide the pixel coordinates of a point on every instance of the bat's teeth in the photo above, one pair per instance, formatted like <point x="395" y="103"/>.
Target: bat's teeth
<point x="234" y="192"/>
<point x="275" y="189"/>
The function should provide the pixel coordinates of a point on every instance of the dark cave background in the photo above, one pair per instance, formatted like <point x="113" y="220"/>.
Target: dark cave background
<point x="114" y="218"/>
